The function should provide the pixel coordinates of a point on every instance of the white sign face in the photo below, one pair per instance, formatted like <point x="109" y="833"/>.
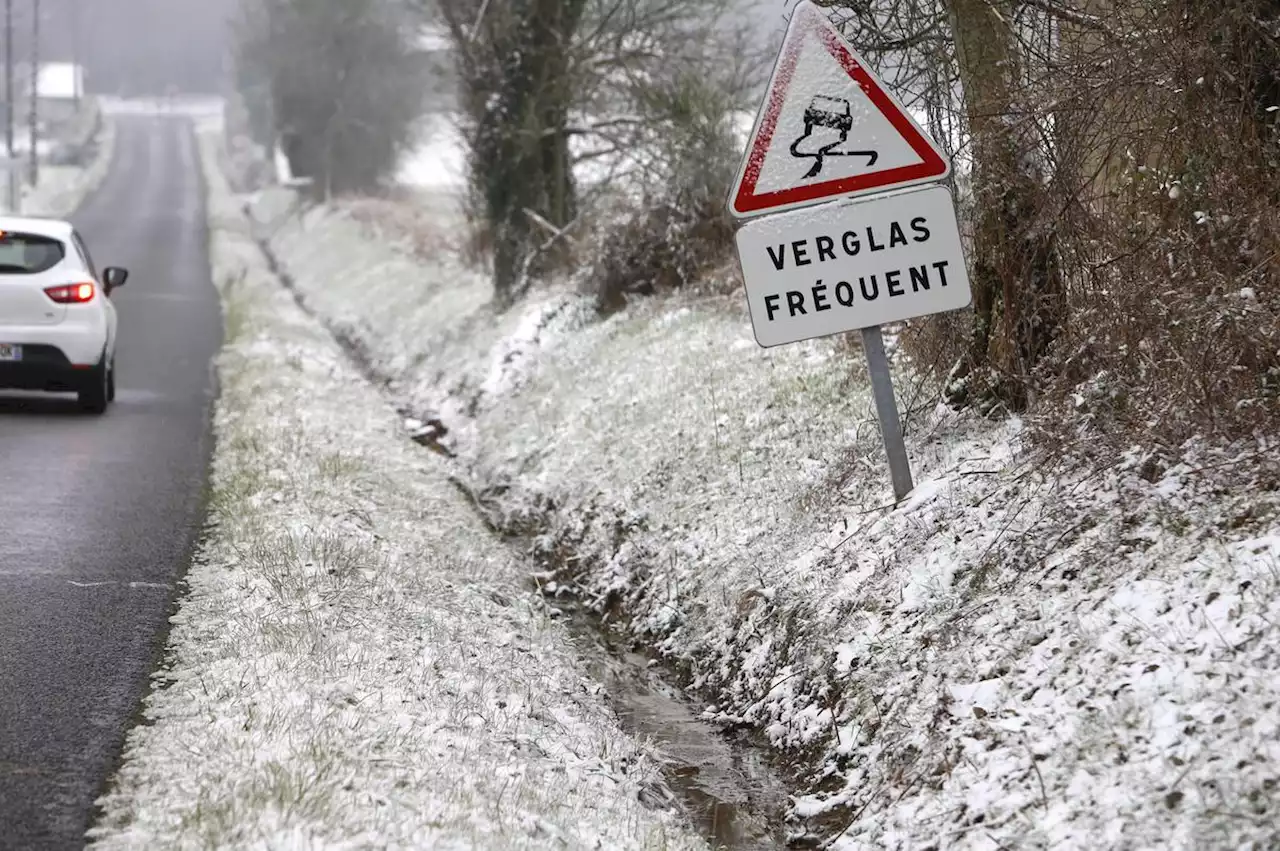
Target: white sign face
<point x="828" y="128"/>
<point x="845" y="266"/>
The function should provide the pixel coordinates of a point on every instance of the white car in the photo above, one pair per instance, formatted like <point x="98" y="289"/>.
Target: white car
<point x="57" y="322"/>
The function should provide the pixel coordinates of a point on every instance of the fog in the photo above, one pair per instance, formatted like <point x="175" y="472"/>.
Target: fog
<point x="133" y="47"/>
<point x="147" y="47"/>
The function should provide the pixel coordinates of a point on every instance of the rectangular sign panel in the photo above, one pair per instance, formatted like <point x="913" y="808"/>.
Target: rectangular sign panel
<point x="843" y="266"/>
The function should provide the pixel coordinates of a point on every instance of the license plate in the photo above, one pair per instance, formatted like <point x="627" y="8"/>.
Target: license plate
<point x="10" y="352"/>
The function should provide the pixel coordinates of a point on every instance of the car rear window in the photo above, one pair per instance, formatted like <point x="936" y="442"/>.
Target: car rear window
<point x="29" y="253"/>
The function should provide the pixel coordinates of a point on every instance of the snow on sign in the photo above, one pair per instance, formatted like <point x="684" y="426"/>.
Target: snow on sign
<point x="846" y="265"/>
<point x="828" y="128"/>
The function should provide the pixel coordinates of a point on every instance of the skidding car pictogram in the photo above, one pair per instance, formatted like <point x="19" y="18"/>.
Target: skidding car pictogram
<point x="833" y="114"/>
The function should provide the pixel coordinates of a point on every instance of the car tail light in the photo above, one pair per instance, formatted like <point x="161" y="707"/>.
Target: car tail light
<point x="71" y="293"/>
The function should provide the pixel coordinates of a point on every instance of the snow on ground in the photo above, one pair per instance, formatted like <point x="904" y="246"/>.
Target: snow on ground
<point x="1026" y="654"/>
<point x="62" y="188"/>
<point x="199" y="107"/>
<point x="440" y="156"/>
<point x="355" y="664"/>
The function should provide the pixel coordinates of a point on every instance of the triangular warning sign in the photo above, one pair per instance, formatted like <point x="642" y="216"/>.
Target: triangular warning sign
<point x="828" y="128"/>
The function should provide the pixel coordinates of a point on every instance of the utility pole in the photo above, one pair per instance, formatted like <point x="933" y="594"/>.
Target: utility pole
<point x="11" y="173"/>
<point x="75" y="52"/>
<point x="34" y="174"/>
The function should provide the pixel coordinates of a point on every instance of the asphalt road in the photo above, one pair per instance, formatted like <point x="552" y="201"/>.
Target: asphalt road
<point x="98" y="515"/>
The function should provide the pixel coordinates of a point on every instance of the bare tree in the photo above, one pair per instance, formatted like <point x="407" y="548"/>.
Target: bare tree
<point x="1117" y="165"/>
<point x="340" y="82"/>
<point x="537" y="76"/>
<point x="1018" y="288"/>
<point x="1173" y="281"/>
<point x="515" y="72"/>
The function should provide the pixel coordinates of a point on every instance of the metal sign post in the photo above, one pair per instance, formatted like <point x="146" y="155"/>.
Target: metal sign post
<point x="855" y="266"/>
<point x="816" y="259"/>
<point x="887" y="411"/>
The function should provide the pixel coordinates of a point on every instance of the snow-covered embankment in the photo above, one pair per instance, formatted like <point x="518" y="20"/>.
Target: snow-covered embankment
<point x="354" y="664"/>
<point x="63" y="188"/>
<point x="1029" y="653"/>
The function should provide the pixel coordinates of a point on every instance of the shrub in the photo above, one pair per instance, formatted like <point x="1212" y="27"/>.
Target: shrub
<point x="673" y="226"/>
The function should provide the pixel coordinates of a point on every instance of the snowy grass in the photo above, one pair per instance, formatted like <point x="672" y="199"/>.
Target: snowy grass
<point x="1026" y="654"/>
<point x="355" y="663"/>
<point x="63" y="188"/>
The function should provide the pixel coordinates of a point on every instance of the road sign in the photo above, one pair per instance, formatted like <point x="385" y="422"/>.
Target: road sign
<point x="846" y="266"/>
<point x="828" y="128"/>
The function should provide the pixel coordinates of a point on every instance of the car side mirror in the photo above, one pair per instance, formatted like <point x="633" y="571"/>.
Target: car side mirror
<point x="114" y="276"/>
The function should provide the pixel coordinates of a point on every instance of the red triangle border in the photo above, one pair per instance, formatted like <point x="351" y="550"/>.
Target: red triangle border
<point x="932" y="166"/>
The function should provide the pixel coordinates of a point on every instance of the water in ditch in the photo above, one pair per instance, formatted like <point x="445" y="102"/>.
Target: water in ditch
<point x="725" y="785"/>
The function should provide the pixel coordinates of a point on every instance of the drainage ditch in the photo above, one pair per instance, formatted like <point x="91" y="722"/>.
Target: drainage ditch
<point x="725" y="785"/>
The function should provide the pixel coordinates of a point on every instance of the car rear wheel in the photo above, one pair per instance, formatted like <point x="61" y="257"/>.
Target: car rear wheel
<point x="111" y="381"/>
<point x="96" y="393"/>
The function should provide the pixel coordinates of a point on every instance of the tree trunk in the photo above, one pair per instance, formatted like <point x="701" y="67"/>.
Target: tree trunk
<point x="1018" y="292"/>
<point x="1261" y="61"/>
<point x="523" y="147"/>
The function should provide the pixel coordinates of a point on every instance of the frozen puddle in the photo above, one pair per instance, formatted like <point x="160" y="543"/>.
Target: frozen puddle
<point x="726" y="787"/>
